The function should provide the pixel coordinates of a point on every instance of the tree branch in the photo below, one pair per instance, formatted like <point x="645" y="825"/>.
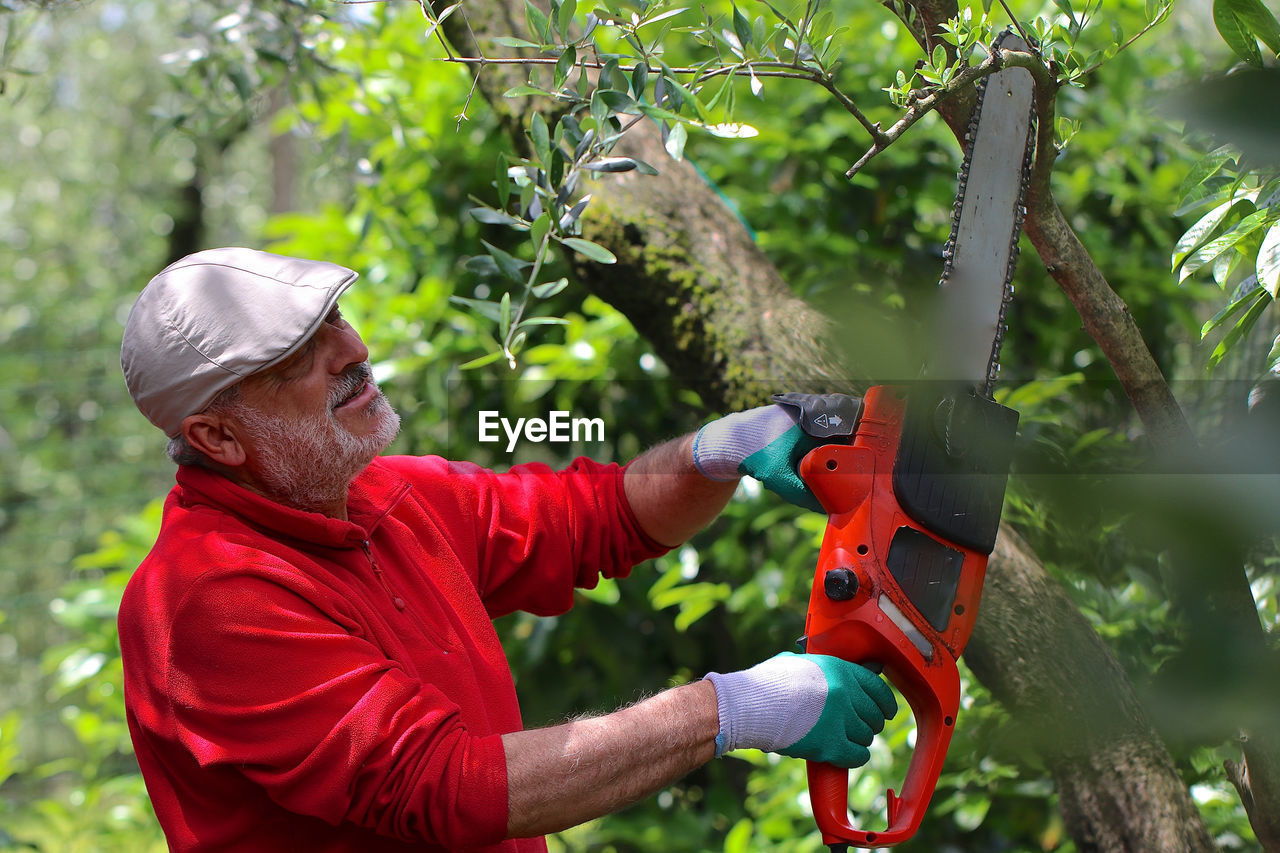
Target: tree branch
<point x="962" y="82"/>
<point x="1258" y="775"/>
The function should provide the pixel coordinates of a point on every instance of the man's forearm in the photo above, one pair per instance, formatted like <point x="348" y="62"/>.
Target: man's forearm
<point x="670" y="498"/>
<point x="561" y="776"/>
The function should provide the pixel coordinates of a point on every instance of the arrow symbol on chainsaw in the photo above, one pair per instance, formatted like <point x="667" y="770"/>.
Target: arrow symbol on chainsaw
<point x="828" y="421"/>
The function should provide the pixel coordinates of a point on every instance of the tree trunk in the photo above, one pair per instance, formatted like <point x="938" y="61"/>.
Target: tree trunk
<point x="1071" y="701"/>
<point x="692" y="281"/>
<point x="282" y="149"/>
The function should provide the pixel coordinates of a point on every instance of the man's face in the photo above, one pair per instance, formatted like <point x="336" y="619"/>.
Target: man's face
<point x="316" y="420"/>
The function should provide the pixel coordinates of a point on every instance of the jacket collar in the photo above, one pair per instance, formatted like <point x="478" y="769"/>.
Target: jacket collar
<point x="372" y="495"/>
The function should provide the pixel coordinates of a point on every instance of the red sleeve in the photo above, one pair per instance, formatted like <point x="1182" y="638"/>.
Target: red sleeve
<point x="263" y="679"/>
<point x="539" y="533"/>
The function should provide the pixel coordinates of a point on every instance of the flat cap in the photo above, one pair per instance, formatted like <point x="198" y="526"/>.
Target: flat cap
<point x="214" y="317"/>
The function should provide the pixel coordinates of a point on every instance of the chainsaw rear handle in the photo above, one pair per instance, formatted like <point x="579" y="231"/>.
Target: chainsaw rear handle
<point x="933" y="692"/>
<point x="829" y="785"/>
<point x="913" y="507"/>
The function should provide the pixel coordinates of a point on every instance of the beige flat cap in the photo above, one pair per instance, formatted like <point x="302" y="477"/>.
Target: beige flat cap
<point x="215" y="317"/>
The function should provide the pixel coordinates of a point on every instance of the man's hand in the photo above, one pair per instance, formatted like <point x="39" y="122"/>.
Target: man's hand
<point x="768" y="442"/>
<point x="815" y="707"/>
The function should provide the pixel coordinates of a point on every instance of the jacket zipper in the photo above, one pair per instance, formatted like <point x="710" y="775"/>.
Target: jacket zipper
<point x="396" y="600"/>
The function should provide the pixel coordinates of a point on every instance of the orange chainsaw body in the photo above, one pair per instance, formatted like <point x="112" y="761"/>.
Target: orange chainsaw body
<point x="913" y="505"/>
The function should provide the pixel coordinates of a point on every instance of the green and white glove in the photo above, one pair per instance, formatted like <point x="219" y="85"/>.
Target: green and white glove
<point x="768" y="442"/>
<point x="816" y="707"/>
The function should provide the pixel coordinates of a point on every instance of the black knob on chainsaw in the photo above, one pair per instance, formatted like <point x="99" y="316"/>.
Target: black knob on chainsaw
<point x="840" y="584"/>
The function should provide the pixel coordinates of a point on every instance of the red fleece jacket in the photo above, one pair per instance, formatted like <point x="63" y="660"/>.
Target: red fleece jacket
<point x="297" y="682"/>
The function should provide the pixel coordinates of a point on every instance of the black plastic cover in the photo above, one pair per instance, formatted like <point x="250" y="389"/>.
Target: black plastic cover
<point x="953" y="463"/>
<point x="928" y="573"/>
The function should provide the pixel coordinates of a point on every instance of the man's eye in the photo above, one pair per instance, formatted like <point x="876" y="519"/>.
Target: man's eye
<point x="297" y="365"/>
<point x="334" y="317"/>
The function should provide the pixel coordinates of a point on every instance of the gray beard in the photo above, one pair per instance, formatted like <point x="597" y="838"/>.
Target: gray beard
<point x="309" y="463"/>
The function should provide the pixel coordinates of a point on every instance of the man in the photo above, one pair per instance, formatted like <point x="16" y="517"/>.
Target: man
<point x="309" y="657"/>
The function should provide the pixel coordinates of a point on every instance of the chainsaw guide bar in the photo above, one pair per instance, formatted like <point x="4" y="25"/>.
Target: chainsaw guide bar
<point x="980" y="256"/>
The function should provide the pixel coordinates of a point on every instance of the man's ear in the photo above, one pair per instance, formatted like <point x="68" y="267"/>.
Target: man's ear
<point x="215" y="436"/>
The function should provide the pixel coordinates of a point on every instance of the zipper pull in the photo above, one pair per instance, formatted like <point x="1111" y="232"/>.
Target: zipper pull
<point x="396" y="600"/>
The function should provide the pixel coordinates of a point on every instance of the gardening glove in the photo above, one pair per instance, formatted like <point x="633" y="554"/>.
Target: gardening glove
<point x="816" y="707"/>
<point x="768" y="442"/>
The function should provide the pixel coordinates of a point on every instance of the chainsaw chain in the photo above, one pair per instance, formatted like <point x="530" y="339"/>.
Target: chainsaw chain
<point x="948" y="252"/>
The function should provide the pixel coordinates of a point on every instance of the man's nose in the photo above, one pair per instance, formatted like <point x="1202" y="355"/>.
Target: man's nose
<point x="346" y="348"/>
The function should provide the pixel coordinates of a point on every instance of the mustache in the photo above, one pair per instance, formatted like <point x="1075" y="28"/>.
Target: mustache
<point x="350" y="382"/>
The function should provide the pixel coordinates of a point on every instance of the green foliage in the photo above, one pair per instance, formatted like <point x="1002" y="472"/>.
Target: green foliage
<point x="231" y="56"/>
<point x="548" y="210"/>
<point x="93" y="195"/>
<point x="1244" y="23"/>
<point x="89" y="197"/>
<point x="1235" y="188"/>
<point x="621" y="73"/>
<point x="692" y="75"/>
<point x="101" y="804"/>
<point x="1237" y="242"/>
<point x="1073" y="52"/>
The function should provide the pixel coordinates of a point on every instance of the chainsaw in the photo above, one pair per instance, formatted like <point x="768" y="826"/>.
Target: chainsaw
<point x="914" y="499"/>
